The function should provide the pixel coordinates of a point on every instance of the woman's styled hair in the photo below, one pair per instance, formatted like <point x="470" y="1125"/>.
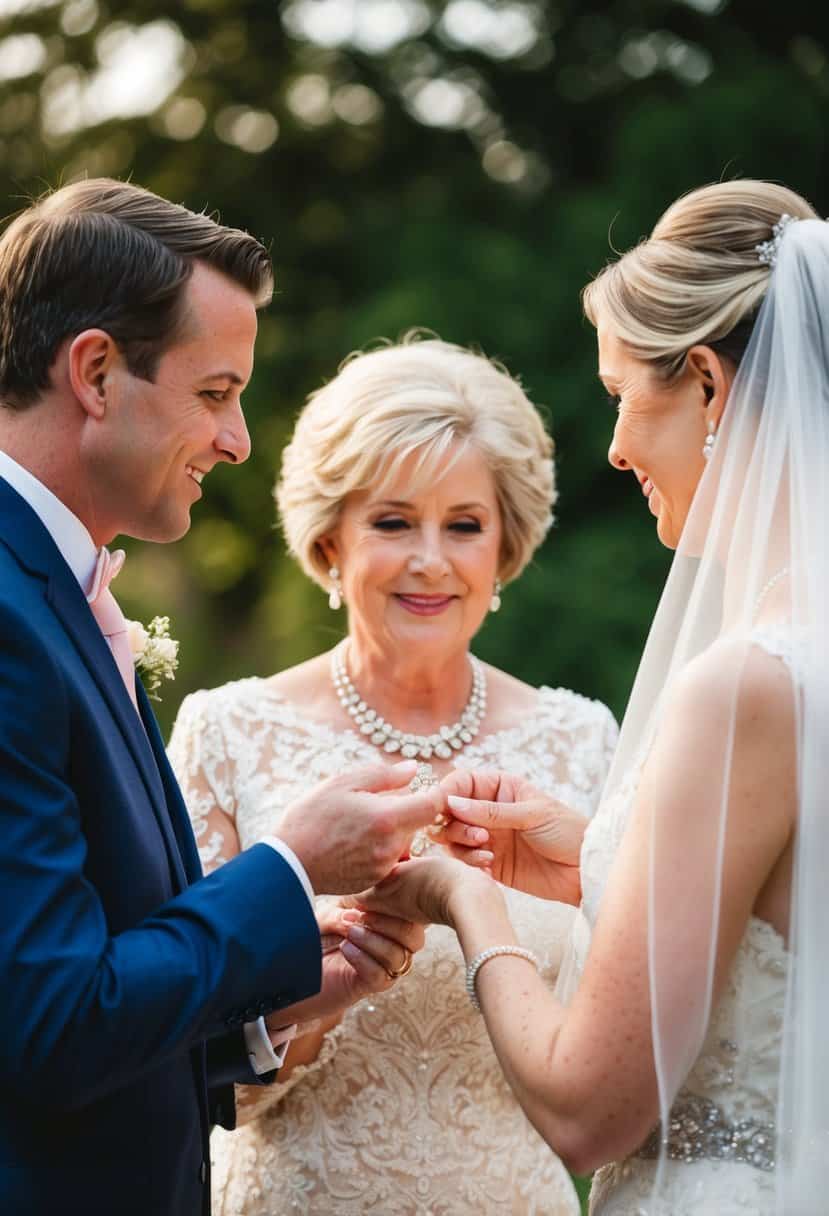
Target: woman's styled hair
<point x="104" y="254"/>
<point x="421" y="396"/>
<point x="697" y="279"/>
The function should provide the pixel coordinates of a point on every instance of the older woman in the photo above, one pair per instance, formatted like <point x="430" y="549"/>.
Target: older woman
<point x="416" y="487"/>
<point x="704" y="870"/>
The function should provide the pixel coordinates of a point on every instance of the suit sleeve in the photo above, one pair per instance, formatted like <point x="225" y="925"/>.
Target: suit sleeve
<point x="84" y="1012"/>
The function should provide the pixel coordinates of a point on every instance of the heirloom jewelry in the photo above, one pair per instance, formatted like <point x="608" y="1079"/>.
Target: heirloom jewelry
<point x="710" y="439"/>
<point x="423" y="778"/>
<point x="443" y="743"/>
<point x="767" y="251"/>
<point x="495" y="602"/>
<point x="335" y="595"/>
<point x="493" y="952"/>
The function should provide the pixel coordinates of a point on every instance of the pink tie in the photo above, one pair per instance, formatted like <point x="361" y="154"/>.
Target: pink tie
<point x="110" y="617"/>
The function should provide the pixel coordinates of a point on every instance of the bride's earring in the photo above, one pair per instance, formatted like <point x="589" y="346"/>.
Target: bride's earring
<point x="710" y="439"/>
<point x="495" y="602"/>
<point x="335" y="595"/>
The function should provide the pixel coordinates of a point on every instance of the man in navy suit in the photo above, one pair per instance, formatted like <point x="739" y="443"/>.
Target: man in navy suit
<point x="134" y="992"/>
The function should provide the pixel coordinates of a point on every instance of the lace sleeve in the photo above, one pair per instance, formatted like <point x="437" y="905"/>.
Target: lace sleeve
<point x="602" y="739"/>
<point x="200" y="760"/>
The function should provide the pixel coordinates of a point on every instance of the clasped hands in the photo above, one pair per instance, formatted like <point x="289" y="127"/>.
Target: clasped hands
<point x="351" y="832"/>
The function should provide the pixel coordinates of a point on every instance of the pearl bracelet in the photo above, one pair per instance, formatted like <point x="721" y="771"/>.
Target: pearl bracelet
<point x="478" y="961"/>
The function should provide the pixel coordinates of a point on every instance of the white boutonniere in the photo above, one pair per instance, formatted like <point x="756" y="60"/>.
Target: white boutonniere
<point x="154" y="653"/>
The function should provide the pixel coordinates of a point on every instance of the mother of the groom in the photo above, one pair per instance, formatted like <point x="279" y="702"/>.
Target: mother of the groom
<point x="417" y="478"/>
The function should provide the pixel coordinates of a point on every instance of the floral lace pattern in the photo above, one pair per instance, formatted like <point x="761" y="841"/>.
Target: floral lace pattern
<point x="405" y="1112"/>
<point x="729" y="1098"/>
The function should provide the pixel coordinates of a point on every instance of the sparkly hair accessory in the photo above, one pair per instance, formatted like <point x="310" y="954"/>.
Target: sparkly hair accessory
<point x="767" y="250"/>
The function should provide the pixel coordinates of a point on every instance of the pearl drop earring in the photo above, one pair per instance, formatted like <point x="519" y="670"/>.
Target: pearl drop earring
<point x="335" y="595"/>
<point x="495" y="602"/>
<point x="710" y="439"/>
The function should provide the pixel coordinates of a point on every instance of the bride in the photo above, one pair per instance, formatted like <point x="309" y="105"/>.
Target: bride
<point x="690" y="1063"/>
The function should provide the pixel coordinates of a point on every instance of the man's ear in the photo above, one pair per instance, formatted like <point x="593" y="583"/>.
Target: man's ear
<point x="715" y="376"/>
<point x="91" y="357"/>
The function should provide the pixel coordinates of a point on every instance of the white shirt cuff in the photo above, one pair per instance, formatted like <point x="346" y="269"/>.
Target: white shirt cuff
<point x="293" y="861"/>
<point x="266" y="1051"/>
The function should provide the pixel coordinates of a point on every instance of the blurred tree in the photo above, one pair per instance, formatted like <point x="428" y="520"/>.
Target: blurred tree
<point x="458" y="165"/>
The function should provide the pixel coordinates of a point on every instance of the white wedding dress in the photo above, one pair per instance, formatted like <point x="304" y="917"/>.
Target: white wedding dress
<point x="406" y="1111"/>
<point x="722" y="1137"/>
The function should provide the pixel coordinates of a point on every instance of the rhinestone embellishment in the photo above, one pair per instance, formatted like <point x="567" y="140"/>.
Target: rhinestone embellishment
<point x="767" y="250"/>
<point x="444" y="743"/>
<point x="700" y="1131"/>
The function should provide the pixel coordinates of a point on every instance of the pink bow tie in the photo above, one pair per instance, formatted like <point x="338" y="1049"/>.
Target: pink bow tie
<point x="109" y="616"/>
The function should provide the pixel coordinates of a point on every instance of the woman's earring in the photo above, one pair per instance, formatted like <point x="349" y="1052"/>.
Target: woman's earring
<point x="495" y="602"/>
<point x="335" y="595"/>
<point x="710" y="439"/>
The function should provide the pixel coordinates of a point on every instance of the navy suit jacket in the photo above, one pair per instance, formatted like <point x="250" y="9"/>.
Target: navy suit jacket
<point x="125" y="977"/>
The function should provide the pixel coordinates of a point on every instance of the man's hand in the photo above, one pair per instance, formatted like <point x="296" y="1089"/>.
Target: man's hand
<point x="534" y="842"/>
<point x="363" y="952"/>
<point x="351" y="830"/>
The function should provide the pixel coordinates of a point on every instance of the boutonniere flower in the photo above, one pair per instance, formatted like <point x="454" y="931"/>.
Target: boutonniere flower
<point x="154" y="653"/>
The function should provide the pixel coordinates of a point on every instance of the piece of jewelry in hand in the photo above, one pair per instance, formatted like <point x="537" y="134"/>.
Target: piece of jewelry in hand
<point x="422" y="780"/>
<point x="493" y="952"/>
<point x="404" y="969"/>
<point x="443" y="743"/>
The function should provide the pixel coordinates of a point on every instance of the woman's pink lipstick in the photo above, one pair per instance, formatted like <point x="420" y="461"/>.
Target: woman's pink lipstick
<point x="425" y="605"/>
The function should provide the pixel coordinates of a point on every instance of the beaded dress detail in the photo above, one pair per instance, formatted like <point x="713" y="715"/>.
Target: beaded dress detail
<point x="405" y="1112"/>
<point x="722" y="1130"/>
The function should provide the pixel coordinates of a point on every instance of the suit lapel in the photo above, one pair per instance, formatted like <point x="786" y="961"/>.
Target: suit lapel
<point x="71" y="607"/>
<point x="175" y="802"/>
<point x="22" y="531"/>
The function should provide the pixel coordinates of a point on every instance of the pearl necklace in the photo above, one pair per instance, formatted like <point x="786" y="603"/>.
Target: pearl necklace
<point x="445" y="741"/>
<point x="772" y="582"/>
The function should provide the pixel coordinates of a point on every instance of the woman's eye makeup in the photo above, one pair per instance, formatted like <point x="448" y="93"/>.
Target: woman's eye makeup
<point x="395" y="523"/>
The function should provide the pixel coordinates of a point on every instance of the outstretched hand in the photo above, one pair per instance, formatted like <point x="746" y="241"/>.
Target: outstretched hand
<point x="350" y="831"/>
<point x="425" y="890"/>
<point x="534" y="842"/>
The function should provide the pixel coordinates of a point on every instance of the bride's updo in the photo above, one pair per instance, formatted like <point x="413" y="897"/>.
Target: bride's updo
<point x="697" y="279"/>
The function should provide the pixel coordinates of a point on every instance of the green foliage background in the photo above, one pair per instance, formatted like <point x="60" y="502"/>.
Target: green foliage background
<point x="382" y="216"/>
<point x="481" y="223"/>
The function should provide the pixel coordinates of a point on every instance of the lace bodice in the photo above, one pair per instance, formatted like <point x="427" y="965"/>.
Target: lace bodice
<point x="727" y="1106"/>
<point x="405" y="1111"/>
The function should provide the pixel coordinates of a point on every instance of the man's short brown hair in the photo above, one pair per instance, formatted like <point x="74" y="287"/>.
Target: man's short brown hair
<point x="103" y="254"/>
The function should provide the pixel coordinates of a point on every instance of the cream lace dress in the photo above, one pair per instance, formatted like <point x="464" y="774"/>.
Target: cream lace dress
<point x="722" y="1137"/>
<point x="405" y="1112"/>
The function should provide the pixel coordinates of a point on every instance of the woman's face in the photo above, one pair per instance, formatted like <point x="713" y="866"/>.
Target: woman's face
<point x="418" y="569"/>
<point x="660" y="430"/>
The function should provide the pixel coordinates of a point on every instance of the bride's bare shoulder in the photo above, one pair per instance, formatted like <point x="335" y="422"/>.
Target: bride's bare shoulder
<point x="737" y="684"/>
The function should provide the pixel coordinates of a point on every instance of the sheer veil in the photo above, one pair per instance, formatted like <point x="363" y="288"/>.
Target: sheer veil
<point x="754" y="555"/>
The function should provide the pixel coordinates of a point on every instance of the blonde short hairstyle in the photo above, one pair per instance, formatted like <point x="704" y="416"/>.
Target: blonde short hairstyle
<point x="420" y="396"/>
<point x="697" y="279"/>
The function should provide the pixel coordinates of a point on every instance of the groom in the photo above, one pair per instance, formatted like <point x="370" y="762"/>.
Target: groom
<point x="133" y="992"/>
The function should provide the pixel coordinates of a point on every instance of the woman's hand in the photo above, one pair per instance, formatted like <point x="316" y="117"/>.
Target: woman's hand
<point x="427" y="890"/>
<point x="362" y="951"/>
<point x="534" y="842"/>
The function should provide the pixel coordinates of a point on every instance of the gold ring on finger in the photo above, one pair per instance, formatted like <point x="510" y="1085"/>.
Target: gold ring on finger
<point x="405" y="969"/>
